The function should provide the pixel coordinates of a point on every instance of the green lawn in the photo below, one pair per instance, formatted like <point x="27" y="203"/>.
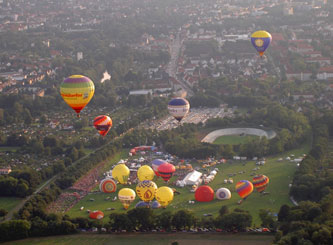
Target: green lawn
<point x="156" y="239"/>
<point x="9" y="203"/>
<point x="235" y="139"/>
<point x="279" y="172"/>
<point x="7" y="148"/>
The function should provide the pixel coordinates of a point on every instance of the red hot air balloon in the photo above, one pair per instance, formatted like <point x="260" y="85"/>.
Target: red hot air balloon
<point x="96" y="214"/>
<point x="103" y="124"/>
<point x="204" y="194"/>
<point x="166" y="171"/>
<point x="260" y="182"/>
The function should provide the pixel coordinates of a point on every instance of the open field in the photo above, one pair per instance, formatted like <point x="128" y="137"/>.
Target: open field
<point x="9" y="203"/>
<point x="279" y="172"/>
<point x="235" y="139"/>
<point x="158" y="239"/>
<point x="7" y="148"/>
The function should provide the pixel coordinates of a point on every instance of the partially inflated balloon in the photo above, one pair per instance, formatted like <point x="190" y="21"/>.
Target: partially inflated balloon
<point x="260" y="41"/>
<point x="146" y="190"/>
<point x="96" y="214"/>
<point x="155" y="205"/>
<point x="164" y="195"/>
<point x="126" y="197"/>
<point x="108" y="186"/>
<point x="166" y="171"/>
<point x="145" y="173"/>
<point x="223" y="194"/>
<point x="204" y="194"/>
<point x="121" y="173"/>
<point x="178" y="108"/>
<point x="77" y="91"/>
<point x="142" y="204"/>
<point x="244" y="188"/>
<point x="103" y="124"/>
<point x="260" y="182"/>
<point x="155" y="164"/>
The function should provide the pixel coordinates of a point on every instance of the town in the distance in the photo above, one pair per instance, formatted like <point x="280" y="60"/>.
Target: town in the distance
<point x="129" y="121"/>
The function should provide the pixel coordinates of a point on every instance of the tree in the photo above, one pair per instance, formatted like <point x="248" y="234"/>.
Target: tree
<point x="3" y="212"/>
<point x="284" y="213"/>
<point x="164" y="220"/>
<point x="182" y="219"/>
<point x="267" y="219"/>
<point x="223" y="210"/>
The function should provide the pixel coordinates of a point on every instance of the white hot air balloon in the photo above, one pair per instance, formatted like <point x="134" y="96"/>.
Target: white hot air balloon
<point x="223" y="194"/>
<point x="178" y="108"/>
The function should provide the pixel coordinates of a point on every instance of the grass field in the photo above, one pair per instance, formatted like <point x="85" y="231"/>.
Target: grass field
<point x="235" y="139"/>
<point x="9" y="148"/>
<point x="9" y="202"/>
<point x="279" y="172"/>
<point x="156" y="239"/>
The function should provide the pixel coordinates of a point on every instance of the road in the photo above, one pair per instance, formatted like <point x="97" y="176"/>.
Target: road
<point x="175" y="51"/>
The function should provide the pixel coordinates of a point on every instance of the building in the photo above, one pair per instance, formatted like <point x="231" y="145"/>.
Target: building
<point x="5" y="170"/>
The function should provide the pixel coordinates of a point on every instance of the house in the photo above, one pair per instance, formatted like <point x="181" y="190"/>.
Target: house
<point x="5" y="170"/>
<point x="322" y="61"/>
<point x="325" y="73"/>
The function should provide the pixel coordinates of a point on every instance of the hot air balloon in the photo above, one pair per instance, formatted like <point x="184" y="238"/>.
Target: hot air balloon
<point x="164" y="195"/>
<point x="178" y="108"/>
<point x="155" y="205"/>
<point x="103" y="124"/>
<point x="204" y="194"/>
<point x="121" y="173"/>
<point x="260" y="41"/>
<point x="146" y="190"/>
<point x="96" y="214"/>
<point x="77" y="91"/>
<point x="145" y="173"/>
<point x="244" y="188"/>
<point x="166" y="171"/>
<point x="155" y="164"/>
<point x="126" y="197"/>
<point x="108" y="186"/>
<point x="223" y="194"/>
<point x="260" y="182"/>
<point x="142" y="204"/>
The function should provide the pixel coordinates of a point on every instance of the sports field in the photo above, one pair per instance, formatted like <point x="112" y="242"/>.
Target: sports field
<point x="9" y="203"/>
<point x="156" y="239"/>
<point x="235" y="139"/>
<point x="280" y="174"/>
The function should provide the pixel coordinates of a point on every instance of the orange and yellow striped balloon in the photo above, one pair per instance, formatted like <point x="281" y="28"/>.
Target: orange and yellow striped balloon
<point x="103" y="124"/>
<point x="244" y="188"/>
<point x="77" y="91"/>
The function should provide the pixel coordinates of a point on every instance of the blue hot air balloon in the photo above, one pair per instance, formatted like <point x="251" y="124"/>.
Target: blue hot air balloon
<point x="261" y="40"/>
<point x="178" y="108"/>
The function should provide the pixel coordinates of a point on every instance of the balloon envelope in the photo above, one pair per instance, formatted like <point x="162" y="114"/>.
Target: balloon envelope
<point x="103" y="124"/>
<point x="146" y="190"/>
<point x="126" y="197"/>
<point x="178" y="108"/>
<point x="121" y="173"/>
<point x="155" y="205"/>
<point x="142" y="204"/>
<point x="77" y="91"/>
<point x="96" y="214"/>
<point x="244" y="188"/>
<point x="164" y="195"/>
<point x="145" y="173"/>
<point x="155" y="164"/>
<point x="223" y="194"/>
<point x="204" y="194"/>
<point x="260" y="182"/>
<point x="166" y="171"/>
<point x="261" y="40"/>
<point x="108" y="186"/>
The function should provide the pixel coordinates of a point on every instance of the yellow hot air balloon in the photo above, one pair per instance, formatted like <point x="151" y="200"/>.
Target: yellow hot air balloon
<point x="145" y="173"/>
<point x="146" y="190"/>
<point x="126" y="197"/>
<point x="121" y="173"/>
<point x="77" y="91"/>
<point x="164" y="195"/>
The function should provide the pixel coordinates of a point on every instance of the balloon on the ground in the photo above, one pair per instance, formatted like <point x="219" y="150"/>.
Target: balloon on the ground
<point x="145" y="173"/>
<point x="166" y="171"/>
<point x="142" y="204"/>
<point x="108" y="186"/>
<point x="77" y="91"/>
<point x="164" y="195"/>
<point x="96" y="214"/>
<point x="223" y="194"/>
<point x="204" y="194"/>
<point x="146" y="190"/>
<point x="178" y="108"/>
<point x="103" y="124"/>
<point x="155" y="164"/>
<point x="260" y="182"/>
<point x="261" y="40"/>
<point x="121" y="173"/>
<point x="244" y="188"/>
<point x="155" y="205"/>
<point x="126" y="197"/>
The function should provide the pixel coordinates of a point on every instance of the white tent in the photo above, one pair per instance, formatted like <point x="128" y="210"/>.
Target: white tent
<point x="192" y="178"/>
